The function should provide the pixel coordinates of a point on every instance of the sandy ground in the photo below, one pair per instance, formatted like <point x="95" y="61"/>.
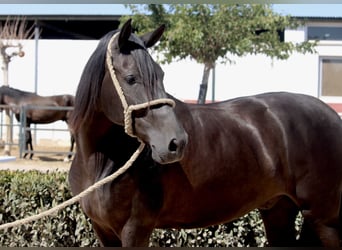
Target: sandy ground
<point x="40" y="161"/>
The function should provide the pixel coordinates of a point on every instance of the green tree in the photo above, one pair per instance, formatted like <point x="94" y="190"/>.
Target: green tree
<point x="213" y="33"/>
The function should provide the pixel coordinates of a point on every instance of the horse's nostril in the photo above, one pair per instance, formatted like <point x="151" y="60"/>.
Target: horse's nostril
<point x="173" y="145"/>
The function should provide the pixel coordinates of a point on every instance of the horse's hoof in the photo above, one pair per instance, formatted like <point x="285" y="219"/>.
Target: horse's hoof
<point x="66" y="159"/>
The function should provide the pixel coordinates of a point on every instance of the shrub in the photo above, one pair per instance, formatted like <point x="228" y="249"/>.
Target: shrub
<point x="248" y="231"/>
<point x="26" y="193"/>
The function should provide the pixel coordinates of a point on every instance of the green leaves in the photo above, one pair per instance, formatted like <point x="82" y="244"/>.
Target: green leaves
<point x="211" y="32"/>
<point x="26" y="193"/>
<point x="247" y="231"/>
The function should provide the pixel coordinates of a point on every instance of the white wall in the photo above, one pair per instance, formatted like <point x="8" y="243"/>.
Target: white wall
<point x="249" y="75"/>
<point x="60" y="64"/>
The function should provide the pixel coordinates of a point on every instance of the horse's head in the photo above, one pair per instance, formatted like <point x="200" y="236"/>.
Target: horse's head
<point x="133" y="95"/>
<point x="68" y="101"/>
<point x="5" y="97"/>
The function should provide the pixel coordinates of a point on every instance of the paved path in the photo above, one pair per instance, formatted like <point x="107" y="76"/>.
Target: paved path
<point x="41" y="164"/>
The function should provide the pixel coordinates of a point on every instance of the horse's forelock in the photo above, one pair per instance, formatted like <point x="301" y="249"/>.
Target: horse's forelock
<point x="146" y="67"/>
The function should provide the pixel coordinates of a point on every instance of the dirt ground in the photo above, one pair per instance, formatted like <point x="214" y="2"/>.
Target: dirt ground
<point x="40" y="161"/>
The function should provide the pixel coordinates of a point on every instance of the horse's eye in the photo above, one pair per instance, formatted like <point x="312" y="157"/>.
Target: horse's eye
<point x="130" y="79"/>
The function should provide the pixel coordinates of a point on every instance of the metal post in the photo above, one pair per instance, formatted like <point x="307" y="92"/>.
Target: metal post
<point x="9" y="138"/>
<point x="36" y="39"/>
<point x="22" y="134"/>
<point x="213" y="85"/>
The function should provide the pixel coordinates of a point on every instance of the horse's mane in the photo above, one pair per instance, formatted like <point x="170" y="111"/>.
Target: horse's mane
<point x="89" y="88"/>
<point x="15" y="93"/>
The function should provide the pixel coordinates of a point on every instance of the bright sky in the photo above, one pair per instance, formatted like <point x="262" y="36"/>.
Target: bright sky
<point x="327" y="10"/>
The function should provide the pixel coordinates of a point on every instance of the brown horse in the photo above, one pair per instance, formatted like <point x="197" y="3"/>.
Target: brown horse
<point x="17" y="98"/>
<point x="278" y="152"/>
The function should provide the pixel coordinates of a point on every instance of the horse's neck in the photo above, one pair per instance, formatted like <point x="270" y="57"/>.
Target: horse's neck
<point x="62" y="100"/>
<point x="185" y="116"/>
<point x="10" y="100"/>
<point x="92" y="131"/>
<point x="56" y="98"/>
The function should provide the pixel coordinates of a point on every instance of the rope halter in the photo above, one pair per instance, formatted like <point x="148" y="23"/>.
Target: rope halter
<point x="128" y="109"/>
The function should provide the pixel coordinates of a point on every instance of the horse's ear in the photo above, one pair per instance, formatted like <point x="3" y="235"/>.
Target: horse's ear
<point x="153" y="37"/>
<point x="125" y="33"/>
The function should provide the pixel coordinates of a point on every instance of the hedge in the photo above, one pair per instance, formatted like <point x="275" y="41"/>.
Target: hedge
<point x="23" y="194"/>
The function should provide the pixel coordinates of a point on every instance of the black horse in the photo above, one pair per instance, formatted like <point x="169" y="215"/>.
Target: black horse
<point x="202" y="164"/>
<point x="16" y="98"/>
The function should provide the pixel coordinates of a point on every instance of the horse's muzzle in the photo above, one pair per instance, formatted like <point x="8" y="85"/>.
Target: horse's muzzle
<point x="173" y="153"/>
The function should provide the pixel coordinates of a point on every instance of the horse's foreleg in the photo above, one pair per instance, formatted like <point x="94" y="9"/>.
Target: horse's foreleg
<point x="321" y="213"/>
<point x="29" y="143"/>
<point x="318" y="233"/>
<point x="308" y="236"/>
<point x="138" y="228"/>
<point x="72" y="144"/>
<point x="107" y="238"/>
<point x="279" y="222"/>
<point x="135" y="234"/>
<point x="26" y="146"/>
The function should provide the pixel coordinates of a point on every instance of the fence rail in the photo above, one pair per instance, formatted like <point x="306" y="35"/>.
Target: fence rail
<point x="21" y="126"/>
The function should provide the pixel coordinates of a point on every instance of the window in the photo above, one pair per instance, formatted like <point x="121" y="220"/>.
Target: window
<point x="331" y="76"/>
<point x="324" y="33"/>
